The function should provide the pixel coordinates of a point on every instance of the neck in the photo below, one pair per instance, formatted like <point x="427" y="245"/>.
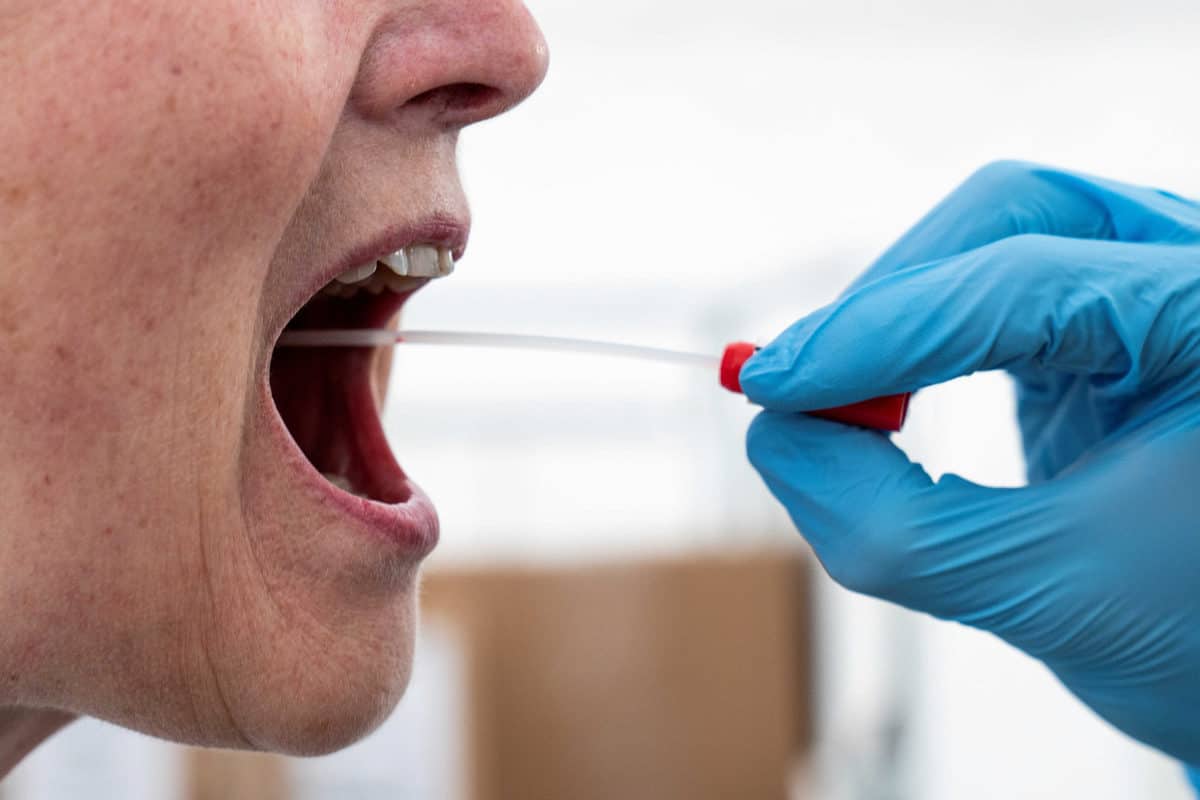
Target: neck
<point x="23" y="729"/>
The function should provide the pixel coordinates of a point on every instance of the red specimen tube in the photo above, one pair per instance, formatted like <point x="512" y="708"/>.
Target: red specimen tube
<point x="882" y="413"/>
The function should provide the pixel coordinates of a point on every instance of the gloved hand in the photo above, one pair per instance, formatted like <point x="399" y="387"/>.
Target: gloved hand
<point x="1088" y="292"/>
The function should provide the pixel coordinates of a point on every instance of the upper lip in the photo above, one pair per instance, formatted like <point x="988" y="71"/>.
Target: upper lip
<point x="439" y="229"/>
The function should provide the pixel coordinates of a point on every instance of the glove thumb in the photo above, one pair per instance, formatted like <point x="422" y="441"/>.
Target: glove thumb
<point x="882" y="527"/>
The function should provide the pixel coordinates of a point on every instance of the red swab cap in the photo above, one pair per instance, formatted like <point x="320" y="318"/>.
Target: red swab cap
<point x="735" y="356"/>
<point x="883" y="413"/>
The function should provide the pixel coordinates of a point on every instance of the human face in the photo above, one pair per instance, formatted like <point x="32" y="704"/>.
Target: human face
<point x="178" y="180"/>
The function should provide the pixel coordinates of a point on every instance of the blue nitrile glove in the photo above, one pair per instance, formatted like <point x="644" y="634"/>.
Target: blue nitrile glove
<point x="1088" y="292"/>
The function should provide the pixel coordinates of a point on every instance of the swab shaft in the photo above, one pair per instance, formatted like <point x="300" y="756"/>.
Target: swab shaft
<point x="368" y="337"/>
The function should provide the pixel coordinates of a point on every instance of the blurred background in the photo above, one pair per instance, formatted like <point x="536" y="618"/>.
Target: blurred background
<point x="618" y="608"/>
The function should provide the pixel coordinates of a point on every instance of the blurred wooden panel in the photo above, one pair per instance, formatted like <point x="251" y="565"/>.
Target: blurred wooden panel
<point x="226" y="775"/>
<point x="657" y="680"/>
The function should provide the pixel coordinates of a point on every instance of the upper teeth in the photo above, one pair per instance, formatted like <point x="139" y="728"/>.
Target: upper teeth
<point x="404" y="270"/>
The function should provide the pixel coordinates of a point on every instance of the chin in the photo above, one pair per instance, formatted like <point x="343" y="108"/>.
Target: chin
<point x="318" y="686"/>
<point x="318" y="721"/>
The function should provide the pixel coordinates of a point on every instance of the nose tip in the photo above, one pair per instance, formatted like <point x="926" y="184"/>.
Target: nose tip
<point x="522" y="54"/>
<point x="468" y="61"/>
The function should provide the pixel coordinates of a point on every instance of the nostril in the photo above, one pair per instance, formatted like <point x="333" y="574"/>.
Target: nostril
<point x="464" y="100"/>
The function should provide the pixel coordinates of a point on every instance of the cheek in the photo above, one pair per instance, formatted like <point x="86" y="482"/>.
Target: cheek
<point x="155" y="152"/>
<point x="185" y="132"/>
<point x="161" y="150"/>
<point x="242" y="113"/>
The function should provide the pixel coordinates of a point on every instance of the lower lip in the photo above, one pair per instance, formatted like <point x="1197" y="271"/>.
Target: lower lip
<point x="410" y="527"/>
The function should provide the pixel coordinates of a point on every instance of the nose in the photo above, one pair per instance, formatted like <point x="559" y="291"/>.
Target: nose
<point x="451" y="63"/>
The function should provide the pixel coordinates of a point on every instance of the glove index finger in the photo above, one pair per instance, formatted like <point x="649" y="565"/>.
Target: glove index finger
<point x="1059" y="303"/>
<point x="999" y="200"/>
<point x="872" y="342"/>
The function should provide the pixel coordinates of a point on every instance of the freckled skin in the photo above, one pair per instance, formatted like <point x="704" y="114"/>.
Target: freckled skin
<point x="171" y="172"/>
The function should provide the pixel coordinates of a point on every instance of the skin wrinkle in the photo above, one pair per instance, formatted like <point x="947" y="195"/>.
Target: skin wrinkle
<point x="184" y="167"/>
<point x="214" y="674"/>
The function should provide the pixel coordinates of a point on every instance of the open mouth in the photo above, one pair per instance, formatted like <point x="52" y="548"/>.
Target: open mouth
<point x="329" y="397"/>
